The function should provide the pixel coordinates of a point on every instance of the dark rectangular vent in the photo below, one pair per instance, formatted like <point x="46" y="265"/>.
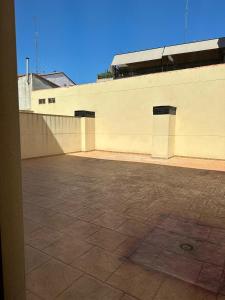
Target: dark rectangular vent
<point x="164" y="110"/>
<point x="84" y="113"/>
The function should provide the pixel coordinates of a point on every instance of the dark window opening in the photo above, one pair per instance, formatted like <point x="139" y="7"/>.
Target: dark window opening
<point x="41" y="101"/>
<point x="51" y="100"/>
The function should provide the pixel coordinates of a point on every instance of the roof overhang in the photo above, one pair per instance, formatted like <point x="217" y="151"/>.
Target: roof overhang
<point x="194" y="47"/>
<point x="134" y="57"/>
<point x="124" y="60"/>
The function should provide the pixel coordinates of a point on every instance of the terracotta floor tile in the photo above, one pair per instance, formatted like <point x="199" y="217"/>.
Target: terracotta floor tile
<point x="173" y="289"/>
<point x="36" y="213"/>
<point x="34" y="258"/>
<point x="103" y="191"/>
<point x="107" y="239"/>
<point x="139" y="215"/>
<point x="51" y="279"/>
<point x="30" y="226"/>
<point x="87" y="288"/>
<point x="67" y="249"/>
<point x="161" y="238"/>
<point x="162" y="250"/>
<point x="189" y="229"/>
<point x="210" y="277"/>
<point x="68" y="207"/>
<point x="30" y="296"/>
<point x="211" y="253"/>
<point x="134" y="228"/>
<point x="112" y="208"/>
<point x="110" y="220"/>
<point x="43" y="237"/>
<point x="137" y="282"/>
<point x="127" y="297"/>
<point x="88" y="214"/>
<point x="169" y="240"/>
<point x="217" y="235"/>
<point x="167" y="262"/>
<point x="127" y="247"/>
<point x="81" y="229"/>
<point x="59" y="222"/>
<point x="98" y="263"/>
<point x="213" y="221"/>
<point x="45" y="201"/>
<point x="203" y="250"/>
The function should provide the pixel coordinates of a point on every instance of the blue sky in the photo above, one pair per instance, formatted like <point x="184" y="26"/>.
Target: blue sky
<point x="81" y="37"/>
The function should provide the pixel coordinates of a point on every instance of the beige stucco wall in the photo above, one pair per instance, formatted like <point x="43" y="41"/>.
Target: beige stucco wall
<point x="124" y="120"/>
<point x="163" y="137"/>
<point x="87" y="134"/>
<point x="43" y="135"/>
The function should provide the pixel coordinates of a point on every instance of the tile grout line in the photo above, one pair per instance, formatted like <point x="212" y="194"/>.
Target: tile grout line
<point x="60" y="293"/>
<point x="110" y="285"/>
<point x="29" y="291"/>
<point x="156" y="293"/>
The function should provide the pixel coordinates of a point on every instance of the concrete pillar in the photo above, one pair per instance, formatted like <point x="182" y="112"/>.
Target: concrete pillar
<point x="12" y="279"/>
<point x="87" y="119"/>
<point x="163" y="138"/>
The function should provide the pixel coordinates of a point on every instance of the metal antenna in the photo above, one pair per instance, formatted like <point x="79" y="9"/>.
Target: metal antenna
<point x="36" y="43"/>
<point x="186" y="20"/>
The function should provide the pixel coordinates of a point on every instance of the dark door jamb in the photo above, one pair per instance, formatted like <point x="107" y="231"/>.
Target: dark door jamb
<point x="1" y="272"/>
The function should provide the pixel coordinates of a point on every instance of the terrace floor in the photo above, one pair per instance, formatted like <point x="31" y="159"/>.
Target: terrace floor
<point x="114" y="230"/>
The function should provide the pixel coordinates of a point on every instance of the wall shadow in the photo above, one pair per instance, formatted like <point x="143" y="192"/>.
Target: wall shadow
<point x="45" y="135"/>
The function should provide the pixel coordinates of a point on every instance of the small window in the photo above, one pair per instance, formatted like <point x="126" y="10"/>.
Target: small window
<point x="51" y="100"/>
<point x="41" y="101"/>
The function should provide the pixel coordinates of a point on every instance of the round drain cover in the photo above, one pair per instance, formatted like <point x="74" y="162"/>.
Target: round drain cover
<point x="186" y="247"/>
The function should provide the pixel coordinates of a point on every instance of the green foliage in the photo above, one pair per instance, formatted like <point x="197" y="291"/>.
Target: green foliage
<point x="106" y="74"/>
